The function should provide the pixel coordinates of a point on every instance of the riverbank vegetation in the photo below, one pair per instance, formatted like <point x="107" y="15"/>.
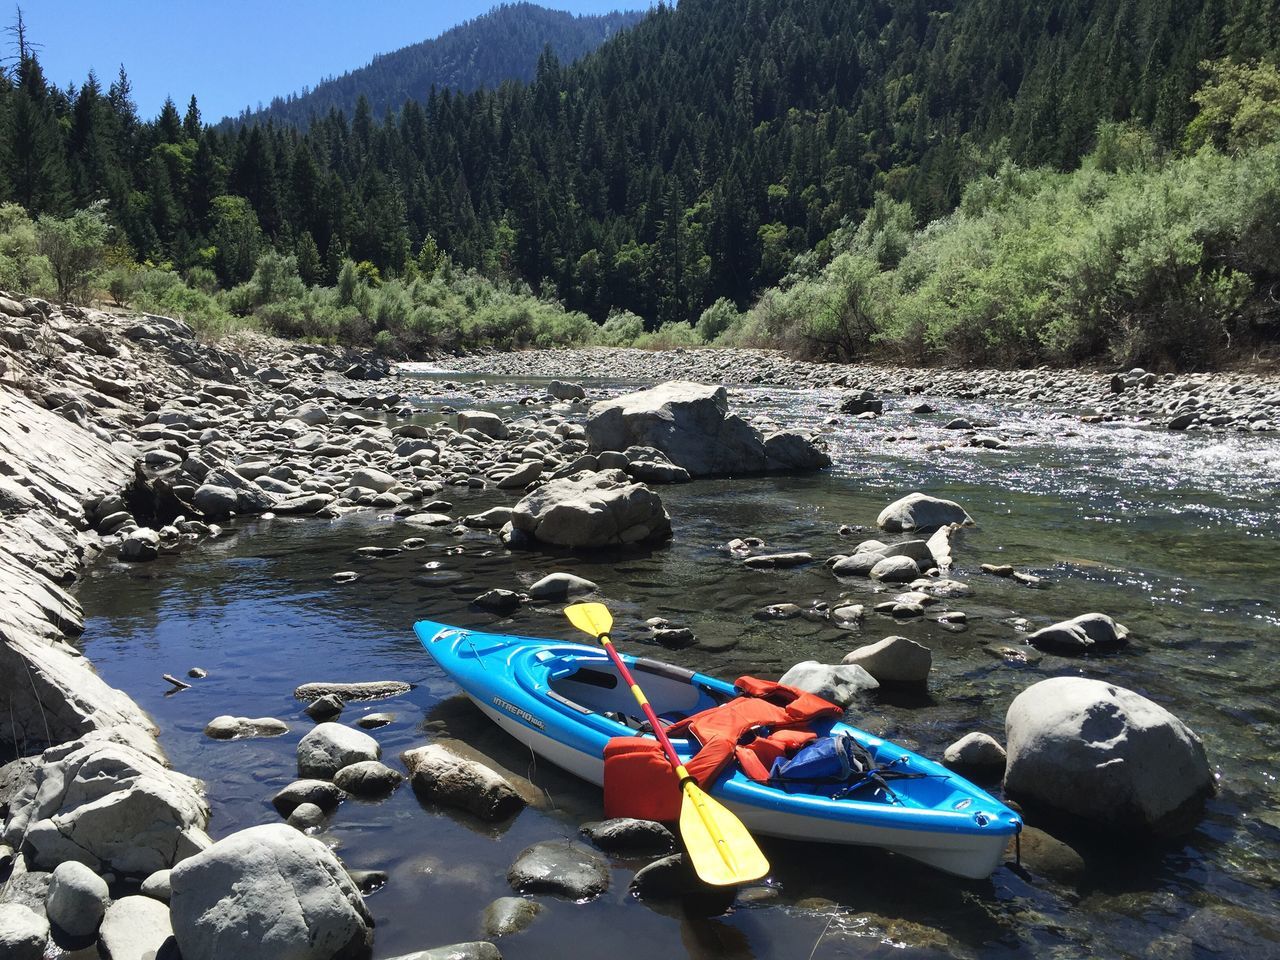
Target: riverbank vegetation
<point x="1088" y="199"/>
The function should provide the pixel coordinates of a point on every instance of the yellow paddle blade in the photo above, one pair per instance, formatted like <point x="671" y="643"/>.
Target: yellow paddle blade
<point x="722" y="852"/>
<point x="592" y="618"/>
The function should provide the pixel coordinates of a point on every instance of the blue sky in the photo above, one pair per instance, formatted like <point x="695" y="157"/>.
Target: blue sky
<point x="235" y="53"/>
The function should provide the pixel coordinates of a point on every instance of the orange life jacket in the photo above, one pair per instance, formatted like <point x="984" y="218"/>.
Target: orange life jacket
<point x="768" y="721"/>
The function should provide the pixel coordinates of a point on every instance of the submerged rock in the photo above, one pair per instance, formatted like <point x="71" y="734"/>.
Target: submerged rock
<point x="560" y="867"/>
<point x="266" y="893"/>
<point x="238" y="728"/>
<point x="508" y="915"/>
<point x="1106" y="754"/>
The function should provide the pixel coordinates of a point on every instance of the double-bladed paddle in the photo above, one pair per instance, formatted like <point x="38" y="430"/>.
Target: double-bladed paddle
<point x="719" y="846"/>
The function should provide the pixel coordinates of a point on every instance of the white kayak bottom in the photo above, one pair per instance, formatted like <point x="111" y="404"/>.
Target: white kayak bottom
<point x="966" y="855"/>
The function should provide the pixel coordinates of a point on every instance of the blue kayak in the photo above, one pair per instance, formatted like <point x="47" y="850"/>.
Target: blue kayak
<point x="566" y="701"/>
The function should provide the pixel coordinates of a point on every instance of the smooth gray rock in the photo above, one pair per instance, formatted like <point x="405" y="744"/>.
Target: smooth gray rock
<point x="917" y="550"/>
<point x="23" y="932"/>
<point x="329" y="747"/>
<point x="1106" y="754"/>
<point x="920" y="512"/>
<point x="691" y="424"/>
<point x="214" y="501"/>
<point x="976" y="754"/>
<point x="894" y="660"/>
<point x="560" y="586"/>
<point x="109" y="805"/>
<point x="328" y="707"/>
<point x="859" y="565"/>
<point x="563" y="390"/>
<point x="561" y="867"/>
<point x="306" y="816"/>
<point x="441" y="776"/>
<point x="136" y="928"/>
<point x="523" y="475"/>
<point x="322" y="793"/>
<point x="627" y="834"/>
<point x="371" y="479"/>
<point x="1087" y="633"/>
<point x="239" y="728"/>
<point x="508" y="915"/>
<point x="842" y="684"/>
<point x="780" y="561"/>
<point x="78" y="898"/>
<point x="592" y="510"/>
<point x="895" y="570"/>
<point x="368" y="778"/>
<point x="268" y="893"/>
<point x="140" y="545"/>
<point x="490" y="424"/>
<point x="156" y="886"/>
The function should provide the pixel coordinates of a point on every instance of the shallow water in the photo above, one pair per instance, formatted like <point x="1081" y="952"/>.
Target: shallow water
<point x="1174" y="535"/>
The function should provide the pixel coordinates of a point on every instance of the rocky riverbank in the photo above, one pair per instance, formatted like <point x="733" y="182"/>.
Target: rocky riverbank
<point x="1192" y="401"/>
<point x="125" y="434"/>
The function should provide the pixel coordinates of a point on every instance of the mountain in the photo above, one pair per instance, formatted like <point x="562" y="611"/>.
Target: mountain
<point x="503" y="44"/>
<point x="690" y="158"/>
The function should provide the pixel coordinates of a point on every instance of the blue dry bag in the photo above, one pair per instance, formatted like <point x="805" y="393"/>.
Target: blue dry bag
<point x="834" y="759"/>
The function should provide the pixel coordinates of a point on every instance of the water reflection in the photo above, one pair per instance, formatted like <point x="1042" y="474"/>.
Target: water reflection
<point x="1176" y="536"/>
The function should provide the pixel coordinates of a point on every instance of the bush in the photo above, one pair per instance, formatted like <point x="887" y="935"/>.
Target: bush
<point x="717" y="319"/>
<point x="670" y="336"/>
<point x="621" y="328"/>
<point x="22" y="267"/>
<point x="74" y="247"/>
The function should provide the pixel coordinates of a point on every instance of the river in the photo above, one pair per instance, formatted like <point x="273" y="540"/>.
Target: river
<point x="1175" y="535"/>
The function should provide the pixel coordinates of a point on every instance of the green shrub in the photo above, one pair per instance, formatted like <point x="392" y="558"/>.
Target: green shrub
<point x="621" y="328"/>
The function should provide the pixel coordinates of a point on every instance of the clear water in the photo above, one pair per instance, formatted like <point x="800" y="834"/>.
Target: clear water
<point x="1177" y="536"/>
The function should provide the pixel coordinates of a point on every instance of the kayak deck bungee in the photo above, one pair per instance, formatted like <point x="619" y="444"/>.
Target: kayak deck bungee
<point x="566" y="701"/>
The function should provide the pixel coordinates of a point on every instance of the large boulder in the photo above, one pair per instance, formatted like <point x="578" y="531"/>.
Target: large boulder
<point x="110" y="806"/>
<point x="268" y="893"/>
<point x="921" y="513"/>
<point x="592" y="510"/>
<point x="1098" y="751"/>
<point x="691" y="424"/>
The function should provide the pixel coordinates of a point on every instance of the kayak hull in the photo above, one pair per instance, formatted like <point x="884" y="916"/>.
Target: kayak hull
<point x="553" y="696"/>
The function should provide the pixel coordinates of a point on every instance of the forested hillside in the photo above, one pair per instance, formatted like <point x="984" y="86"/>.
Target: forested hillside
<point x="504" y="44"/>
<point x="686" y="163"/>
